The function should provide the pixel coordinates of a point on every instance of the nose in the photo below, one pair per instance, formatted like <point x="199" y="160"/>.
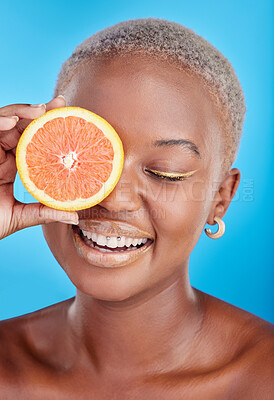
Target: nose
<point x="125" y="196"/>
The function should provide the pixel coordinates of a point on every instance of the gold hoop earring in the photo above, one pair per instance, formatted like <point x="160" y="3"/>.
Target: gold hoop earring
<point x="220" y="231"/>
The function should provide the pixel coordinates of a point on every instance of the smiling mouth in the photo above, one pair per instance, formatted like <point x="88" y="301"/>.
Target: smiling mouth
<point x="107" y="249"/>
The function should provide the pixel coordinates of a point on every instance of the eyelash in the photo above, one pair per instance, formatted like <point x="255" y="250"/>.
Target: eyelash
<point x="169" y="178"/>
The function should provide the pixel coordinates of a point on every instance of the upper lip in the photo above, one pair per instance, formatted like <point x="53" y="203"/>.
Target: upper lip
<point x="113" y="228"/>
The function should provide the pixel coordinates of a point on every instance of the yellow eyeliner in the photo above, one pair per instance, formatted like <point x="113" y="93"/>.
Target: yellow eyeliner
<point x="173" y="175"/>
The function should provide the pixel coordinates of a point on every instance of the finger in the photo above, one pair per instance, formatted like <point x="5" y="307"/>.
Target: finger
<point x="3" y="155"/>
<point x="8" y="122"/>
<point x="11" y="132"/>
<point x="57" y="102"/>
<point x="36" y="213"/>
<point x="8" y="167"/>
<point x="23" y="110"/>
<point x="9" y="139"/>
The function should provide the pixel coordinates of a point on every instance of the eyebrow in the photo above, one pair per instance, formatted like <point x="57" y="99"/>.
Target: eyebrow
<point x="178" y="142"/>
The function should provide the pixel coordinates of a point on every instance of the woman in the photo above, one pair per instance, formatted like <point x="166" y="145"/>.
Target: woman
<point x="137" y="329"/>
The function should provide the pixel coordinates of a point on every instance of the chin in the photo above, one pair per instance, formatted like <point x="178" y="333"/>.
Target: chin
<point x="105" y="276"/>
<point x="108" y="286"/>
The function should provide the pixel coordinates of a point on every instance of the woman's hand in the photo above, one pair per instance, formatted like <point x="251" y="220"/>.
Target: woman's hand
<point x="15" y="215"/>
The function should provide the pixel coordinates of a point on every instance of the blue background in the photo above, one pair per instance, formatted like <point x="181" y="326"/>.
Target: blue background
<point x="34" y="41"/>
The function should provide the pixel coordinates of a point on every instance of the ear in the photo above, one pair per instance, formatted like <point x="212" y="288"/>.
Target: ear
<point x="224" y="195"/>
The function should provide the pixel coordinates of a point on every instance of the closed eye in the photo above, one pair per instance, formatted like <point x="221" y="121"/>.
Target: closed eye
<point x="170" y="176"/>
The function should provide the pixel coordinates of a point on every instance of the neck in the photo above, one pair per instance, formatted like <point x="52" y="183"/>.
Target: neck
<point x="139" y="333"/>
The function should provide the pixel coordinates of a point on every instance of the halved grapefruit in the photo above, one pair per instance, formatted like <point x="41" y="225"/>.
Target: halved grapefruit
<point x="69" y="158"/>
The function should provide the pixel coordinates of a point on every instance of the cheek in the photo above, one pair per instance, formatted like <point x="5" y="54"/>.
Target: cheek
<point x="179" y="214"/>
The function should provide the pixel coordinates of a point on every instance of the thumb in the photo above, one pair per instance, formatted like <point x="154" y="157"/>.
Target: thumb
<point x="37" y="213"/>
<point x="57" y="102"/>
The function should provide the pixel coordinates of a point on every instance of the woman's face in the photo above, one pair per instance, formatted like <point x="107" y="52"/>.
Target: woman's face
<point x="146" y="101"/>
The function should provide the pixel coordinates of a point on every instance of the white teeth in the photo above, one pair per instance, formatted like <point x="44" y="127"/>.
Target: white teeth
<point x="87" y="234"/>
<point x="94" y="236"/>
<point x="121" y="243"/>
<point x="105" y="250"/>
<point x="113" y="242"/>
<point x="128" y="242"/>
<point x="102" y="240"/>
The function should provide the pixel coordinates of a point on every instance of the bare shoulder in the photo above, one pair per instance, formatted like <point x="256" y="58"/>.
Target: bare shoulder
<point x="260" y="367"/>
<point x="26" y="337"/>
<point x="245" y="325"/>
<point x="258" y="362"/>
<point x="248" y="344"/>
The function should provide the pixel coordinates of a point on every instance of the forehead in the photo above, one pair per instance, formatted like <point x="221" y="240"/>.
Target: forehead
<point x="147" y="97"/>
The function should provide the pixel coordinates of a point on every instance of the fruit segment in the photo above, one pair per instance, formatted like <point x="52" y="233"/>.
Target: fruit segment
<point x="67" y="168"/>
<point x="71" y="160"/>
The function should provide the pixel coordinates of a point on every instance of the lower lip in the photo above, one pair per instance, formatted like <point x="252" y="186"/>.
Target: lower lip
<point x="111" y="259"/>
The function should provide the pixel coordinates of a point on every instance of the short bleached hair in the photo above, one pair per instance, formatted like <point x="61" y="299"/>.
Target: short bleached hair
<point x="182" y="47"/>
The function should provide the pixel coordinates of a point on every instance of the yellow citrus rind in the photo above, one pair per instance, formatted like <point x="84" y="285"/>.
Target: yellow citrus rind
<point x="79" y="203"/>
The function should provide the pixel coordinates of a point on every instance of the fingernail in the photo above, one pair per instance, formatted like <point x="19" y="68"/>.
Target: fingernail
<point x="15" y="117"/>
<point x="61" y="96"/>
<point x="69" y="222"/>
<point x="38" y="105"/>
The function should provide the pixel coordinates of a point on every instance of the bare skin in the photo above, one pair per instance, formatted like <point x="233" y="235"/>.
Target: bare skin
<point x="141" y="331"/>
